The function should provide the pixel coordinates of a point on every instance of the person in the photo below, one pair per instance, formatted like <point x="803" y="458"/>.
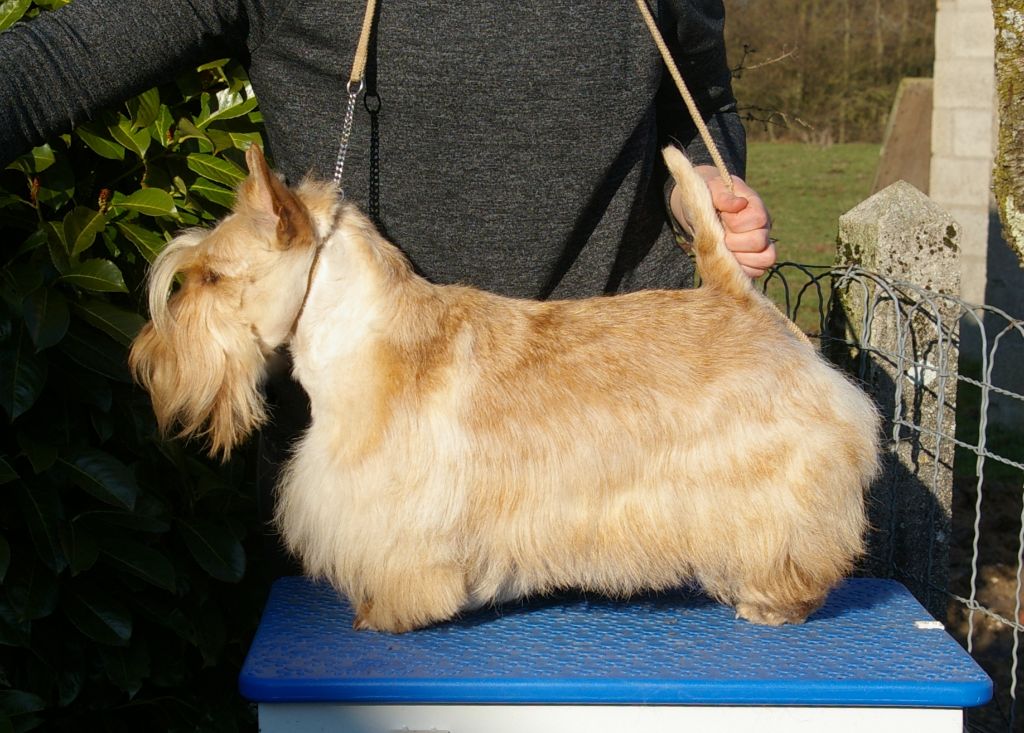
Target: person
<point x="509" y="146"/>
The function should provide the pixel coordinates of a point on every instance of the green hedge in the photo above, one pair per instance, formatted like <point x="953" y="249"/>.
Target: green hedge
<point x="130" y="586"/>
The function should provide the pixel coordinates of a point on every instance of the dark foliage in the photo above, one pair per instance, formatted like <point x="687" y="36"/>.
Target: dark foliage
<point x="130" y="586"/>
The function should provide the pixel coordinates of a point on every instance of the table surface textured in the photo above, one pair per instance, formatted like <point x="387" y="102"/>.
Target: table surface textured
<point x="870" y="644"/>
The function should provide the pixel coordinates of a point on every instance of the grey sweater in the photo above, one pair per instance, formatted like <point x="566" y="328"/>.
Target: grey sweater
<point x="518" y="141"/>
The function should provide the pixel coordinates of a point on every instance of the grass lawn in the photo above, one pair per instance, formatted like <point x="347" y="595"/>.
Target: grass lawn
<point x="806" y="188"/>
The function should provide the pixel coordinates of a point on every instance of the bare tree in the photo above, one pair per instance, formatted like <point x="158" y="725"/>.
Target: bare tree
<point x="1009" y="169"/>
<point x="830" y="67"/>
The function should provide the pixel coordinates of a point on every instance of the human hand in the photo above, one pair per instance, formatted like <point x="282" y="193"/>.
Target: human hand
<point x="744" y="217"/>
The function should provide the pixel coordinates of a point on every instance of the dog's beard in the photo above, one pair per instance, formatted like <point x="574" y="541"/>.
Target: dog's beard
<point x="203" y="373"/>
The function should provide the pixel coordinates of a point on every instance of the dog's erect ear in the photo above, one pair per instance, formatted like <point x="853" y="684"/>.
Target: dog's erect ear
<point x="268" y="194"/>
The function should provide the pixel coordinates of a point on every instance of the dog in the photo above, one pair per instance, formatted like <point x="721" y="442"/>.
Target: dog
<point x="467" y="449"/>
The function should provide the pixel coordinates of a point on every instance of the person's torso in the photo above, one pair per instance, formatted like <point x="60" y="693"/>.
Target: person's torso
<point x="515" y="142"/>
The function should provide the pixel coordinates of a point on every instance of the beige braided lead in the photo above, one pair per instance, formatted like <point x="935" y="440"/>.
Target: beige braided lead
<point x="702" y="128"/>
<point x="359" y="62"/>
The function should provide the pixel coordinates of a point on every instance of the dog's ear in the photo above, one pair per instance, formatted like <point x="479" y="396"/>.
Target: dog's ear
<point x="268" y="195"/>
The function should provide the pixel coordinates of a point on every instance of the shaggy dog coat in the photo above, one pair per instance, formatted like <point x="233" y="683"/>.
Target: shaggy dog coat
<point x="467" y="448"/>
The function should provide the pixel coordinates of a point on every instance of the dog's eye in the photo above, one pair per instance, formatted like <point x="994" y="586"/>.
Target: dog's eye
<point x="210" y="277"/>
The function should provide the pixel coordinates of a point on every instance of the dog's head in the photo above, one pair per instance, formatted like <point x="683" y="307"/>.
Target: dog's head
<point x="202" y="356"/>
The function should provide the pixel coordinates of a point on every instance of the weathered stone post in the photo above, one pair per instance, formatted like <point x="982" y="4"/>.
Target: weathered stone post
<point x="906" y="352"/>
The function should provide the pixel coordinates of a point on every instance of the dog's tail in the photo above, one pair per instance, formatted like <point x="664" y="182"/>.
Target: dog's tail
<point x="717" y="266"/>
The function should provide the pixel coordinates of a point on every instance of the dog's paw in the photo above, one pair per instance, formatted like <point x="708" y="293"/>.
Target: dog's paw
<point x="766" y="615"/>
<point x="413" y="600"/>
<point x="370" y="617"/>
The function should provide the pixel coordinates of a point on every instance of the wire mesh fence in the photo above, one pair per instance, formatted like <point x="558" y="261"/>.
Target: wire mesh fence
<point x="948" y="512"/>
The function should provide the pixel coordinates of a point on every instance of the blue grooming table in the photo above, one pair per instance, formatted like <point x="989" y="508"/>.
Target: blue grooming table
<point x="870" y="656"/>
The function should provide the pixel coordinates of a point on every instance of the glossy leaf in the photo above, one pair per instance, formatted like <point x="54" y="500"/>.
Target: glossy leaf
<point x="186" y="130"/>
<point x="127" y="667"/>
<point x="243" y="140"/>
<point x="229" y="106"/>
<point x="97" y="137"/>
<point x="98" y="615"/>
<point x="97" y="275"/>
<point x="83" y="548"/>
<point x="10" y="199"/>
<point x="17" y="702"/>
<point x="212" y="192"/>
<point x="120" y="324"/>
<point x="81" y="227"/>
<point x="210" y="633"/>
<point x="33" y="241"/>
<point x="11" y="12"/>
<point x="103" y="424"/>
<point x="149" y="201"/>
<point x="216" y="169"/>
<point x="35" y="161"/>
<point x="70" y="676"/>
<point x="14" y="631"/>
<point x="140" y="560"/>
<point x="22" y="375"/>
<point x="148" y="243"/>
<point x="31" y="589"/>
<point x="144" y="108"/>
<point x="96" y="352"/>
<point x="215" y="65"/>
<point x="46" y="317"/>
<point x="57" y="247"/>
<point x="170" y="615"/>
<point x="41" y="508"/>
<point x="220" y="139"/>
<point x="163" y="126"/>
<point x="103" y="476"/>
<point x="215" y="548"/>
<point x="19" y="279"/>
<point x="134" y="140"/>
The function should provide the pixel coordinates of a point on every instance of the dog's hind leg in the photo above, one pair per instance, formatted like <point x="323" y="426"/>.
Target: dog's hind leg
<point x="775" y="613"/>
<point x="411" y="598"/>
<point x="787" y="596"/>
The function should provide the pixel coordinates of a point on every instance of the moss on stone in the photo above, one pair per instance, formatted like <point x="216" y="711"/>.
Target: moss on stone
<point x="1008" y="177"/>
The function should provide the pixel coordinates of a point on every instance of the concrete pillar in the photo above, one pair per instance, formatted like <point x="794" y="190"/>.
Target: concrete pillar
<point x="906" y="354"/>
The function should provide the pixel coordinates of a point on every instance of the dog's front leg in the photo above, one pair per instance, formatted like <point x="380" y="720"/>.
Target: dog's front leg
<point x="409" y="597"/>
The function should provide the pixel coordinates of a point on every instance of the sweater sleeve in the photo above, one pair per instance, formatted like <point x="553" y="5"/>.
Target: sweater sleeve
<point x="62" y="67"/>
<point x="698" y="46"/>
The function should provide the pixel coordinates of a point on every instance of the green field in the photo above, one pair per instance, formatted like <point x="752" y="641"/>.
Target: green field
<point x="806" y="188"/>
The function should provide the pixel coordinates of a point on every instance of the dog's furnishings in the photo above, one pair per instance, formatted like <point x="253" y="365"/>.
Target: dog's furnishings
<point x="870" y="660"/>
